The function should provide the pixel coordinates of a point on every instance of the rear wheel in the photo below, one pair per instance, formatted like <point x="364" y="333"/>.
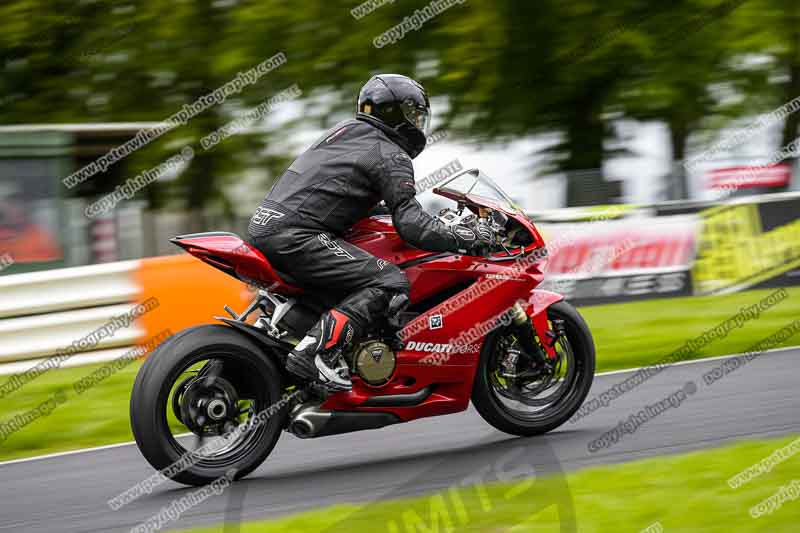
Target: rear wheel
<point x="519" y="400"/>
<point x="192" y="394"/>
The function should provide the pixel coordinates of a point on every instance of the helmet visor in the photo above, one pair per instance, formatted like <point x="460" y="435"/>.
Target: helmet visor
<point x="418" y="115"/>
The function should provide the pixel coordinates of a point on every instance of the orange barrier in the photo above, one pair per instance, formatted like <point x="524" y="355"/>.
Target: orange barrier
<point x="189" y="293"/>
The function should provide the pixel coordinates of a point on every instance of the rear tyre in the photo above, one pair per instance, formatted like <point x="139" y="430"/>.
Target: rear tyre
<point x="206" y="381"/>
<point x="524" y="408"/>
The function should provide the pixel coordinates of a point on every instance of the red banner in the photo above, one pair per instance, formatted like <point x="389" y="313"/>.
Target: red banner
<point x="746" y="177"/>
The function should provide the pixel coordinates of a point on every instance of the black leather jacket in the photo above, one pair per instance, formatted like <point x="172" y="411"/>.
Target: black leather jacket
<point x="342" y="177"/>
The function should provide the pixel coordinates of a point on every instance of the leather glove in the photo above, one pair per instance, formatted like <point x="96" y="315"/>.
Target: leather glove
<point x="476" y="239"/>
<point x="487" y="238"/>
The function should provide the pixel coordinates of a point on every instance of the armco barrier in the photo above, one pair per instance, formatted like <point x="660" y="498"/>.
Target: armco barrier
<point x="67" y="288"/>
<point x="42" y="313"/>
<point x="43" y="335"/>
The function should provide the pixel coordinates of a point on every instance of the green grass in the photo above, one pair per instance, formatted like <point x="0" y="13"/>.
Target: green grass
<point x="630" y="335"/>
<point x="683" y="493"/>
<point x="626" y="335"/>
<point x="98" y="416"/>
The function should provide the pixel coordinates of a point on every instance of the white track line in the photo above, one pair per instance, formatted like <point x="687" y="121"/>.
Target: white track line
<point x="63" y="454"/>
<point x="695" y="361"/>
<point x="610" y="373"/>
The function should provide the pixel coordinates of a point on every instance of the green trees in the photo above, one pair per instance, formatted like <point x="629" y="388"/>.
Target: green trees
<point x="500" y="68"/>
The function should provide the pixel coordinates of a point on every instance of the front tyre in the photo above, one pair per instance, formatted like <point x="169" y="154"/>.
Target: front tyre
<point x="192" y="394"/>
<point x="525" y="403"/>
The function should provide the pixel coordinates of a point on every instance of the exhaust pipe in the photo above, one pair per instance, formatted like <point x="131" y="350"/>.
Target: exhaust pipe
<point x="307" y="422"/>
<point x="310" y="421"/>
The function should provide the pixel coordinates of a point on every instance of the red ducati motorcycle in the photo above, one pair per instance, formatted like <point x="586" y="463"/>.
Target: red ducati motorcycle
<point x="476" y="328"/>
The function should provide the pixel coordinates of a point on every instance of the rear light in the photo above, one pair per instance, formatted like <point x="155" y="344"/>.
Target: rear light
<point x="218" y="262"/>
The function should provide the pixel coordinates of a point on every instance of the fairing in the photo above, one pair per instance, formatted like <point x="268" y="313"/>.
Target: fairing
<point x="442" y="345"/>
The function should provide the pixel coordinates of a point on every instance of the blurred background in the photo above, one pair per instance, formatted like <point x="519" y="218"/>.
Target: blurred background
<point x="563" y="104"/>
<point x="655" y="142"/>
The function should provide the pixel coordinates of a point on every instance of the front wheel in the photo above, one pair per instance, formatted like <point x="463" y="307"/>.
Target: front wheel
<point x="520" y="401"/>
<point x="192" y="401"/>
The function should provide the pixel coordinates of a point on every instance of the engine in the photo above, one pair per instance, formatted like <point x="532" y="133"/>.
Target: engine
<point x="374" y="362"/>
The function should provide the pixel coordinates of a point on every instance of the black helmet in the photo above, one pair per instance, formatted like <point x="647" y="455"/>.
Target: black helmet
<point x="400" y="104"/>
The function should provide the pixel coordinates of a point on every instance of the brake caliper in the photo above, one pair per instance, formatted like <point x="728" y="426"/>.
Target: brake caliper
<point x="557" y="332"/>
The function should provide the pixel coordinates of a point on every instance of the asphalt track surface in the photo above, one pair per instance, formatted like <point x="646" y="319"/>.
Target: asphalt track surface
<point x="69" y="493"/>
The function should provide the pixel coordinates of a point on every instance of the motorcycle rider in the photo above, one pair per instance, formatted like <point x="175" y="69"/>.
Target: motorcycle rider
<point x="328" y="188"/>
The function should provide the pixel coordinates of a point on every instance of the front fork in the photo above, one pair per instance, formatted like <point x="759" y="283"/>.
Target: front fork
<point x="532" y="318"/>
<point x="526" y="331"/>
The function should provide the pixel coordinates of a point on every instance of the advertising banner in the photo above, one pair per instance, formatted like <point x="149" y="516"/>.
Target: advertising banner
<point x="673" y="249"/>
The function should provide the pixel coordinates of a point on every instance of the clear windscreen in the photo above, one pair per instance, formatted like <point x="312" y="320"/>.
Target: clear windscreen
<point x="475" y="186"/>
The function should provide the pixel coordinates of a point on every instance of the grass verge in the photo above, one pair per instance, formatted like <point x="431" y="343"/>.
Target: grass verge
<point x="686" y="492"/>
<point x="630" y="335"/>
